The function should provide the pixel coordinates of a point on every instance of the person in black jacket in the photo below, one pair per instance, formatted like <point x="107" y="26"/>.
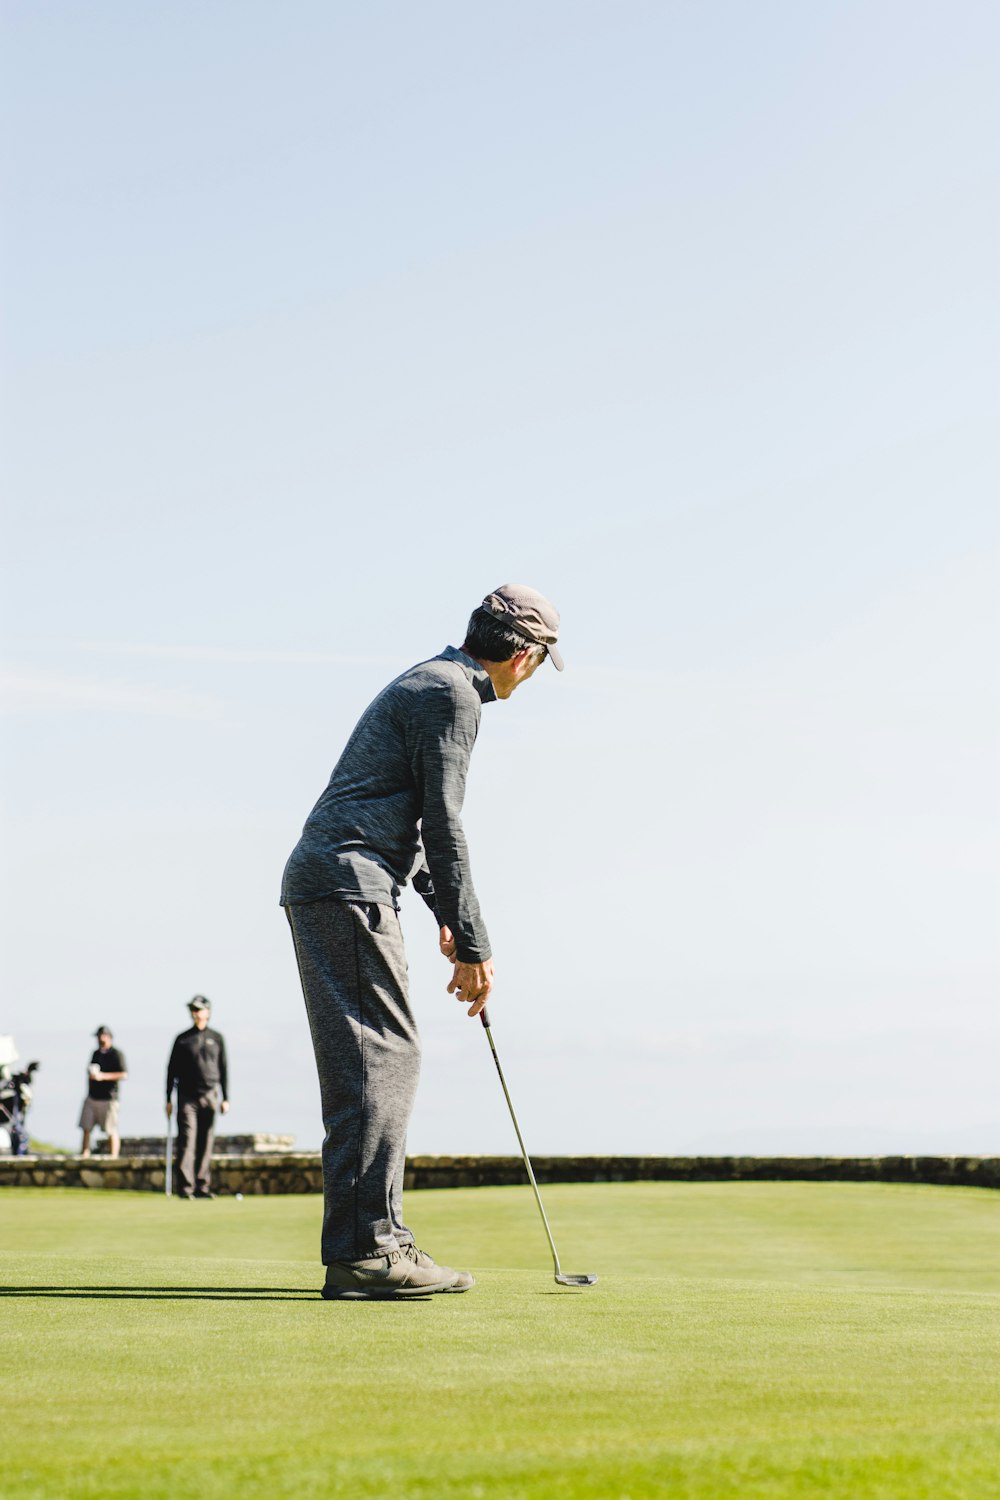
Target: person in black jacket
<point x="197" y="1069"/>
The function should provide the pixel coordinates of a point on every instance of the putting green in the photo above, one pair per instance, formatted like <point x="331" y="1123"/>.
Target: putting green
<point x="745" y="1340"/>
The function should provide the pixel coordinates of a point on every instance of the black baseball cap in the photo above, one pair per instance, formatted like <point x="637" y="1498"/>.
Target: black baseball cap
<point x="199" y="1002"/>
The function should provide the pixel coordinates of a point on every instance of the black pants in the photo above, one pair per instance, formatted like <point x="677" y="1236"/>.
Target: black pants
<point x="195" y="1136"/>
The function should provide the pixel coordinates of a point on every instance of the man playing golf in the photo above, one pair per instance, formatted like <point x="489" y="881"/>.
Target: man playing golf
<point x="392" y="813"/>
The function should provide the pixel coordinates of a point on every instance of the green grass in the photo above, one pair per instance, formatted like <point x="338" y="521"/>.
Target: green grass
<point x="745" y="1340"/>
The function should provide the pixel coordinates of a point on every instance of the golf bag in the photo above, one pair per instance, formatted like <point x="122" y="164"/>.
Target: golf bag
<point x="15" y="1097"/>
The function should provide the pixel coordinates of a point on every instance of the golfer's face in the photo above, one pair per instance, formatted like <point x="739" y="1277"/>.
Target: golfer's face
<point x="104" y="1040"/>
<point x="514" y="672"/>
<point x="531" y="669"/>
<point x="200" y="1018"/>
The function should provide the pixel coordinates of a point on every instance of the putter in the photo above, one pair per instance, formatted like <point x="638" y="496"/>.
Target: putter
<point x="170" y="1154"/>
<point x="562" y="1278"/>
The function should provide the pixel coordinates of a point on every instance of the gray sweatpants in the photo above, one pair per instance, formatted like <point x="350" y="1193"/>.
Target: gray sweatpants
<point x="353" y="970"/>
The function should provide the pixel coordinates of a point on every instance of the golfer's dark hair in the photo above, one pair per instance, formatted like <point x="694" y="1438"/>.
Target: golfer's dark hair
<point x="488" y="639"/>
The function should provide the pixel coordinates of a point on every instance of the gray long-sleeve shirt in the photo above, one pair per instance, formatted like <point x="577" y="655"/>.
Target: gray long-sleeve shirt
<point x="392" y="808"/>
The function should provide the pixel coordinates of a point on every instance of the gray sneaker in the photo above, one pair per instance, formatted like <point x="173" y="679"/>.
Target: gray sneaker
<point x="383" y="1277"/>
<point x="462" y="1280"/>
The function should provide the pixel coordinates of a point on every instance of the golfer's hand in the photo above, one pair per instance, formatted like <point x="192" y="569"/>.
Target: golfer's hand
<point x="447" y="944"/>
<point x="471" y="984"/>
<point x="170" y="1109"/>
<point x="224" y="1106"/>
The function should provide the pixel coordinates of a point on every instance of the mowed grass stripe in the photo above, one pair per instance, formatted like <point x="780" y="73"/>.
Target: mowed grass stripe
<point x="865" y="1364"/>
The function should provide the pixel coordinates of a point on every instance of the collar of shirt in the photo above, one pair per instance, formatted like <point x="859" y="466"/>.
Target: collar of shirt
<point x="477" y="675"/>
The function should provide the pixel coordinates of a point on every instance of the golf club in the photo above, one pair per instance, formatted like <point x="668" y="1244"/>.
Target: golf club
<point x="562" y="1279"/>
<point x="170" y="1153"/>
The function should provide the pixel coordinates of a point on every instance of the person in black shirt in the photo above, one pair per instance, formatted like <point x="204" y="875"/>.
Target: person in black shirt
<point x="197" y="1069"/>
<point x="106" y="1071"/>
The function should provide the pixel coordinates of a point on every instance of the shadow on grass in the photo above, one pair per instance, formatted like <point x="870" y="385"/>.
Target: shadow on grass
<point x="161" y="1293"/>
<point x="216" y="1294"/>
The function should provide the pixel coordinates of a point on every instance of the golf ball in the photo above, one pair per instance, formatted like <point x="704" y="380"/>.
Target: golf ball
<point x="239" y="1197"/>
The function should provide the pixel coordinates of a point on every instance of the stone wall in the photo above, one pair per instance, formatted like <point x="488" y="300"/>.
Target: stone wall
<point x="225" y="1145"/>
<point x="282" y="1172"/>
<point x="259" y="1172"/>
<point x="482" y="1171"/>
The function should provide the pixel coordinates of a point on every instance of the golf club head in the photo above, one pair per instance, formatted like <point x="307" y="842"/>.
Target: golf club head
<point x="575" y="1280"/>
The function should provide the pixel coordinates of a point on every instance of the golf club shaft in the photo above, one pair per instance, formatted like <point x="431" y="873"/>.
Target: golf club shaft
<point x="170" y="1156"/>
<point x="484" y="1017"/>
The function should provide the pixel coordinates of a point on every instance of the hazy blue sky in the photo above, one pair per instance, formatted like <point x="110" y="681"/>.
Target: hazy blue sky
<point x="319" y="321"/>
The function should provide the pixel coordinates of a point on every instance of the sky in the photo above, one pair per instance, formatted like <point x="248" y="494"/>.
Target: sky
<point x="320" y="321"/>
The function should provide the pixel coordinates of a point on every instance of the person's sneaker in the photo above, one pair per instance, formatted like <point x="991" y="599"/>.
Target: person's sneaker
<point x="384" y="1277"/>
<point x="462" y="1282"/>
